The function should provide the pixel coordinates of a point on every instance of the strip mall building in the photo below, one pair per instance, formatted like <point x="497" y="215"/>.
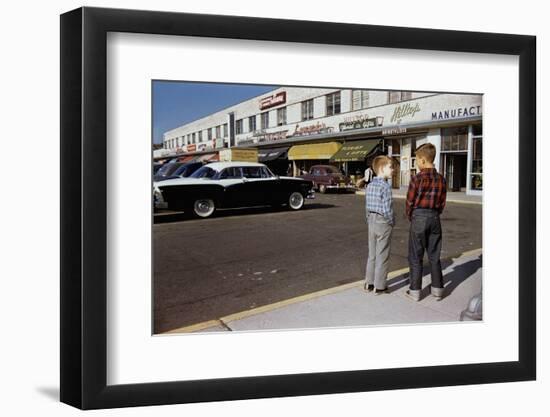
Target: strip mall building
<point x="293" y="128"/>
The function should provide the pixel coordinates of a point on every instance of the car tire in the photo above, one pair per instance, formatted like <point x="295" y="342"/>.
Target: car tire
<point x="204" y="207"/>
<point x="296" y="201"/>
<point x="322" y="188"/>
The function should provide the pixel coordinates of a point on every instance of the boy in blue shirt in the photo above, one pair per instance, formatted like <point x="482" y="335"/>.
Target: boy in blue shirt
<point x="380" y="220"/>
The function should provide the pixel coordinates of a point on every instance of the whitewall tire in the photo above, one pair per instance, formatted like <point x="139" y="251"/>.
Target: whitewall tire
<point x="204" y="207"/>
<point x="295" y="201"/>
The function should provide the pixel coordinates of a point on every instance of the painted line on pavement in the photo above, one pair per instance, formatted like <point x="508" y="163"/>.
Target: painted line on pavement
<point x="224" y="321"/>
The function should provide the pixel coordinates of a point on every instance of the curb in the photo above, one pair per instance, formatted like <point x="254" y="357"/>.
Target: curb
<point x="223" y="321"/>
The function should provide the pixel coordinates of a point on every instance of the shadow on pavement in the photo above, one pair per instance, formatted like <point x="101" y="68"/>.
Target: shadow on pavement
<point x="451" y="280"/>
<point x="181" y="216"/>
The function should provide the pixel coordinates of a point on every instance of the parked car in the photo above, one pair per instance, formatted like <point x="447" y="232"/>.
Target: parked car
<point x="156" y="167"/>
<point x="328" y="177"/>
<point x="167" y="170"/>
<point x="222" y="185"/>
<point x="182" y="171"/>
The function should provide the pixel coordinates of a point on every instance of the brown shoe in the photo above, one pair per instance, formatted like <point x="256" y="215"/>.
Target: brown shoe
<point x="379" y="292"/>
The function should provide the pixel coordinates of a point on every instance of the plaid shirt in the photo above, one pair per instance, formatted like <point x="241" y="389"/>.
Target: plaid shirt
<point x="427" y="189"/>
<point x="379" y="198"/>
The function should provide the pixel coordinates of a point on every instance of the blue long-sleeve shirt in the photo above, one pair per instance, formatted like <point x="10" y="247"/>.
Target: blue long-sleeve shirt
<point x="379" y="199"/>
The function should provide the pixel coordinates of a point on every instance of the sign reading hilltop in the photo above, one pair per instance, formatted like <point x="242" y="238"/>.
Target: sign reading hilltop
<point x="404" y="110"/>
<point x="273" y="100"/>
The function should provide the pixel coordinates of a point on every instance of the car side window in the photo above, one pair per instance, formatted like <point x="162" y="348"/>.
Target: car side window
<point x="317" y="171"/>
<point x="231" y="173"/>
<point x="265" y="172"/>
<point x="252" y="172"/>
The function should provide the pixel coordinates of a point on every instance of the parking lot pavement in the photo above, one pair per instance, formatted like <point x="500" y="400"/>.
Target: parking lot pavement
<point x="349" y="305"/>
<point x="244" y="259"/>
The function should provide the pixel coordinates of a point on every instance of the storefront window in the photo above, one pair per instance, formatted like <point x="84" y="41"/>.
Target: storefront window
<point x="307" y="110"/>
<point x="454" y="139"/>
<point x="239" y="126"/>
<point x="252" y="123"/>
<point x="281" y="116"/>
<point x="264" y="120"/>
<point x="360" y="99"/>
<point x="333" y="104"/>
<point x="477" y="160"/>
<point x="398" y="96"/>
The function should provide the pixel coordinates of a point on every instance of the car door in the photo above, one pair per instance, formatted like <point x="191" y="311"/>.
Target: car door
<point x="231" y="179"/>
<point x="254" y="187"/>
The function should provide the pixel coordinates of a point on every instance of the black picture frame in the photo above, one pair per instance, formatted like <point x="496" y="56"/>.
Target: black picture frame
<point x="84" y="207"/>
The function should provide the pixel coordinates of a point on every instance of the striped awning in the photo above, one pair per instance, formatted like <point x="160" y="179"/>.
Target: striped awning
<point x="355" y="151"/>
<point x="313" y="151"/>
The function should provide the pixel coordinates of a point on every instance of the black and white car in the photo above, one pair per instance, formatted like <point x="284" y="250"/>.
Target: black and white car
<point x="223" y="185"/>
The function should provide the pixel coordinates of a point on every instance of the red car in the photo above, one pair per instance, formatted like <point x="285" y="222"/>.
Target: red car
<point x="328" y="177"/>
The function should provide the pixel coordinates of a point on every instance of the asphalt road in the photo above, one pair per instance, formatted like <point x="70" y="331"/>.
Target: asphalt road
<point x="241" y="259"/>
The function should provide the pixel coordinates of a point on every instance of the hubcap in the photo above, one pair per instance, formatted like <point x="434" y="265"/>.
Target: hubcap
<point x="296" y="200"/>
<point x="204" y="208"/>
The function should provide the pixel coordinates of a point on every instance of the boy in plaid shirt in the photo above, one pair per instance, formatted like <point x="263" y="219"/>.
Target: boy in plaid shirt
<point x="425" y="202"/>
<point x="380" y="219"/>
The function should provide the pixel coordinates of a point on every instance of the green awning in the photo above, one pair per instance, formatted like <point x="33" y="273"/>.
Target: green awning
<point x="355" y="151"/>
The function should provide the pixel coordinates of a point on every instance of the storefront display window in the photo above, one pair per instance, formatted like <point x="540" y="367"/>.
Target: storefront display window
<point x="454" y="139"/>
<point x="477" y="165"/>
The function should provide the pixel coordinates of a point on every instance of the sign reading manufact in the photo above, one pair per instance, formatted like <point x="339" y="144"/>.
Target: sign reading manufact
<point x="456" y="113"/>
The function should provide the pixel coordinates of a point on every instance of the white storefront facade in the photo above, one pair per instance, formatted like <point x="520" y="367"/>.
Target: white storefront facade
<point x="399" y="122"/>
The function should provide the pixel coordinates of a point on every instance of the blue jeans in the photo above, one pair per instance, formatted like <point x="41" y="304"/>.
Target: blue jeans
<point x="425" y="235"/>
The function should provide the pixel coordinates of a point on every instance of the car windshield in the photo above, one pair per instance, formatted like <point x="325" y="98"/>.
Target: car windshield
<point x="181" y="170"/>
<point x="168" y="169"/>
<point x="204" y="172"/>
<point x="332" y="170"/>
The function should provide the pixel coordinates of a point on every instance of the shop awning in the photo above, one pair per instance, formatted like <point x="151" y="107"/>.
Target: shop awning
<point x="271" y="154"/>
<point x="355" y="151"/>
<point x="313" y="151"/>
<point x="207" y="157"/>
<point x="187" y="158"/>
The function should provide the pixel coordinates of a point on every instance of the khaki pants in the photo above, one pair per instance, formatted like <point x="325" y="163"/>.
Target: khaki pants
<point x="379" y="250"/>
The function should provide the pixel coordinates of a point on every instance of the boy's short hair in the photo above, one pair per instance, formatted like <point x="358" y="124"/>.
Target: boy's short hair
<point x="426" y="151"/>
<point x="379" y="162"/>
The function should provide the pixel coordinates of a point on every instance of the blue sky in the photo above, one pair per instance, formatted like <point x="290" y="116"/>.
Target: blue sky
<point x="176" y="103"/>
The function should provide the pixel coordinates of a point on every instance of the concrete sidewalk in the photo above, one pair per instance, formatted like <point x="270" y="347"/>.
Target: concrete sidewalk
<point x="349" y="305"/>
<point x="452" y="197"/>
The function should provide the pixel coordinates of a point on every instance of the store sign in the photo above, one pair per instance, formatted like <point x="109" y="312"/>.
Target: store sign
<point x="360" y="122"/>
<point x="201" y="147"/>
<point x="191" y="147"/>
<point x="404" y="110"/>
<point x="315" y="129"/>
<point x="394" y="131"/>
<point x="263" y="136"/>
<point x="272" y="101"/>
<point x="242" y="155"/>
<point x="457" y="113"/>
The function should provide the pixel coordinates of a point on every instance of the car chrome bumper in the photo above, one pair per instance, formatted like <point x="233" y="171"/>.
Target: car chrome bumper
<point x="341" y="187"/>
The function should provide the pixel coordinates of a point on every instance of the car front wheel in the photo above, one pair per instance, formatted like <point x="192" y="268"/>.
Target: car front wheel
<point x="296" y="201"/>
<point x="204" y="207"/>
<point x="322" y="188"/>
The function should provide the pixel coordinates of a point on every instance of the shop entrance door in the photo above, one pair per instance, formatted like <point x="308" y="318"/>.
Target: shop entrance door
<point x="455" y="170"/>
